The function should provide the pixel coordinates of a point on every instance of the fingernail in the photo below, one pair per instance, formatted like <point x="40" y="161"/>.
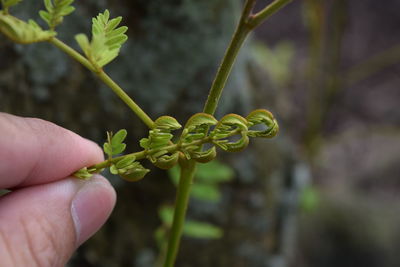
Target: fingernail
<point x="91" y="207"/>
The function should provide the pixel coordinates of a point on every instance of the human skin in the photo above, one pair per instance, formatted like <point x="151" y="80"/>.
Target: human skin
<point x="47" y="214"/>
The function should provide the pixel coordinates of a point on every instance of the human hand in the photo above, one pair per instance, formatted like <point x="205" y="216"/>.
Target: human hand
<point x="46" y="217"/>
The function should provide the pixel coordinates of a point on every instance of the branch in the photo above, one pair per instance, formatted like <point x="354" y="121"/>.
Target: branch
<point x="105" y="79"/>
<point x="257" y="19"/>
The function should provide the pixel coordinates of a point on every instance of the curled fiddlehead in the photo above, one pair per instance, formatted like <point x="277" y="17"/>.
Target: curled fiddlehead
<point x="262" y="117"/>
<point x="231" y="133"/>
<point x="194" y="136"/>
<point x="229" y="126"/>
<point x="159" y="139"/>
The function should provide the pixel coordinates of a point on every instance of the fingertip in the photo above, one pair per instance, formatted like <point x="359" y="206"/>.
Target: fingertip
<point x="94" y="153"/>
<point x="46" y="223"/>
<point x="91" y="207"/>
<point x="35" y="151"/>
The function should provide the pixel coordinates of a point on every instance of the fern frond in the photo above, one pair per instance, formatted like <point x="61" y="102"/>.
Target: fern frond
<point x="56" y="11"/>
<point x="107" y="39"/>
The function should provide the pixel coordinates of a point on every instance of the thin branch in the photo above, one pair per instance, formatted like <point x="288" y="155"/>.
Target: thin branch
<point x="257" y="19"/>
<point x="105" y="79"/>
<point x="228" y="60"/>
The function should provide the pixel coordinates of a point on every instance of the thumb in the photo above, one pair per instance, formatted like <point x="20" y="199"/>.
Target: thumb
<point x="42" y="225"/>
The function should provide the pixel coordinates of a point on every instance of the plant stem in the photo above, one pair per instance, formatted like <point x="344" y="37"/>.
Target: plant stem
<point x="260" y="17"/>
<point x="246" y="24"/>
<point x="181" y="204"/>
<point x="105" y="79"/>
<point x="144" y="153"/>
<point x="72" y="53"/>
<point x="231" y="53"/>
<point x="124" y="96"/>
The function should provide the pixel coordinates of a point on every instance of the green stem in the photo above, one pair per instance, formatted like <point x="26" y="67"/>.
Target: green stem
<point x="247" y="23"/>
<point x="144" y="153"/>
<point x="241" y="32"/>
<point x="128" y="101"/>
<point x="188" y="168"/>
<point x="181" y="204"/>
<point x="105" y="79"/>
<point x="260" y="17"/>
<point x="72" y="53"/>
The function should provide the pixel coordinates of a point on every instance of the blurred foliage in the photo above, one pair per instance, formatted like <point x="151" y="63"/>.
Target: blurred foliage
<point x="309" y="199"/>
<point x="205" y="188"/>
<point x="277" y="61"/>
<point x="207" y="179"/>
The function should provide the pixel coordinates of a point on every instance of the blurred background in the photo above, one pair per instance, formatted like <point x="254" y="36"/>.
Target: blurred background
<point x="324" y="193"/>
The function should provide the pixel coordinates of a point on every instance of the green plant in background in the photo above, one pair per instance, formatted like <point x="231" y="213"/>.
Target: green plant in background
<point x="206" y="189"/>
<point x="163" y="147"/>
<point x="275" y="61"/>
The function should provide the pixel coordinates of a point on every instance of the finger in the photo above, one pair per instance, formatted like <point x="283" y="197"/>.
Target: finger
<point x="34" y="151"/>
<point x="42" y="225"/>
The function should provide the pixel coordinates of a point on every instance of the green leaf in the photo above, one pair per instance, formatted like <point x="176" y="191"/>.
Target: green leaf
<point x="107" y="39"/>
<point x="119" y="137"/>
<point x="167" y="123"/>
<point x="107" y="149"/>
<point x="196" y="129"/>
<point x="262" y="117"/>
<point x="23" y="32"/>
<point x="144" y="143"/>
<point x="309" y="199"/>
<point x="45" y="16"/>
<point x="114" y="169"/>
<point x="166" y="214"/>
<point x="209" y="173"/>
<point x="55" y="12"/>
<point x="192" y="229"/>
<point x="166" y="162"/>
<point x="174" y="175"/>
<point x="277" y="61"/>
<point x="206" y="192"/>
<point x="83" y="42"/>
<point x="83" y="174"/>
<point x="160" y="235"/>
<point x="114" y="145"/>
<point x="229" y="126"/>
<point x="208" y="176"/>
<point x="125" y="161"/>
<point x="197" y="126"/>
<point x="214" y="172"/>
<point x="157" y="140"/>
<point x="118" y="148"/>
<point x="199" y="119"/>
<point x="202" y="230"/>
<point x="134" y="173"/>
<point x="9" y="3"/>
<point x="204" y="156"/>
